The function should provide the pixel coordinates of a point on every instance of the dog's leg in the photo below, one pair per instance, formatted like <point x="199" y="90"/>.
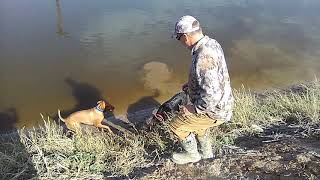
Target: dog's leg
<point x="74" y="127"/>
<point x="103" y="126"/>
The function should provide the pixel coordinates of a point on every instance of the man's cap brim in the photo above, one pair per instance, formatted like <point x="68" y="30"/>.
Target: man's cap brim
<point x="174" y="35"/>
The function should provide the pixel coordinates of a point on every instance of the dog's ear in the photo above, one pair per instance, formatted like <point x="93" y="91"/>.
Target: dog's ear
<point x="101" y="104"/>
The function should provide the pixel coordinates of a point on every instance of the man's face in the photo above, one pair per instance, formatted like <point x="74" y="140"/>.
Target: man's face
<point x="184" y="39"/>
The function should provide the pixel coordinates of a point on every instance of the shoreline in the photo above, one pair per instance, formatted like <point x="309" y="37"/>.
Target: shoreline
<point x="262" y="124"/>
<point x="144" y="113"/>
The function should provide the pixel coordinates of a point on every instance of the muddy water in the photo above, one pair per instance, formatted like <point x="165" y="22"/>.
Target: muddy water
<point x="68" y="54"/>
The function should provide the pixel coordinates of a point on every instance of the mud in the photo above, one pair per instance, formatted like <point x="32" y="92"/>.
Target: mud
<point x="281" y="152"/>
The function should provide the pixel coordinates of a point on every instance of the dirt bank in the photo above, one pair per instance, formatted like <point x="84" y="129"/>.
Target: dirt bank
<point x="284" y="151"/>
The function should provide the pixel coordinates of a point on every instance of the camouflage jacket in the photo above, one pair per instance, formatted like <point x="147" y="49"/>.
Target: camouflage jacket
<point x="209" y="83"/>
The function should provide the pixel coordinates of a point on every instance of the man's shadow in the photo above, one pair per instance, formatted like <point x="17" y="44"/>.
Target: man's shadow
<point x="18" y="159"/>
<point x="8" y="119"/>
<point x="140" y="111"/>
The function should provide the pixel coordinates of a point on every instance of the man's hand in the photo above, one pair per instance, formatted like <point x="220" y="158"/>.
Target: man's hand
<point x="187" y="110"/>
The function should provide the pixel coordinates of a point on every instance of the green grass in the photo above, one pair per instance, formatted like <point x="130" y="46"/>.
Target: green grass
<point x="47" y="153"/>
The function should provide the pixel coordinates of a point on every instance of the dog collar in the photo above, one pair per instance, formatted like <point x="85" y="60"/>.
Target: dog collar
<point x="97" y="108"/>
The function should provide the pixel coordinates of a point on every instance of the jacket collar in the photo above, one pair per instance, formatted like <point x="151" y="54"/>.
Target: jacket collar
<point x="202" y="41"/>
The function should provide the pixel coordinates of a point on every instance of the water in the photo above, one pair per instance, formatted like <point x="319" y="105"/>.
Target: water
<point x="68" y="54"/>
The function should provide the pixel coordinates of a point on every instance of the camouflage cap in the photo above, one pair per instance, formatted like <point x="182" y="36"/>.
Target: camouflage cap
<point x="184" y="25"/>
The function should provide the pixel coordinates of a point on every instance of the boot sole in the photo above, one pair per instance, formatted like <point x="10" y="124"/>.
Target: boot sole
<point x="196" y="160"/>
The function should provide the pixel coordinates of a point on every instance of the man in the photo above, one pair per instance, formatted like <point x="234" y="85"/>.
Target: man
<point x="208" y="88"/>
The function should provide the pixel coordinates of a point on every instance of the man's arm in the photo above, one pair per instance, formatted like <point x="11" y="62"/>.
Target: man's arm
<point x="209" y="84"/>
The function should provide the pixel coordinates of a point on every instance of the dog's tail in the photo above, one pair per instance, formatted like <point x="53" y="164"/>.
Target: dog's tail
<point x="60" y="116"/>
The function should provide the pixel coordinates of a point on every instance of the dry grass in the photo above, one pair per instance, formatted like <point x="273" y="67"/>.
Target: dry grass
<point x="47" y="153"/>
<point x="54" y="155"/>
<point x="299" y="104"/>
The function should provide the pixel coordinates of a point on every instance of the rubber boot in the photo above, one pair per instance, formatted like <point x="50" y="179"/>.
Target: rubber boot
<point x="191" y="154"/>
<point x="205" y="146"/>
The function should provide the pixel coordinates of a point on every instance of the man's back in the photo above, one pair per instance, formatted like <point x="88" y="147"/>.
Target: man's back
<point x="209" y="82"/>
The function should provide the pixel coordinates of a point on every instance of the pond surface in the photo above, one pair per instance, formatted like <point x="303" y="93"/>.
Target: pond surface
<point x="67" y="54"/>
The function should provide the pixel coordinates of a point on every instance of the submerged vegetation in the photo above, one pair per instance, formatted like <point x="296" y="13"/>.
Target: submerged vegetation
<point x="48" y="153"/>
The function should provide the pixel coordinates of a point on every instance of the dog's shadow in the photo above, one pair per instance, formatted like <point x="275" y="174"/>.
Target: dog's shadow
<point x="86" y="96"/>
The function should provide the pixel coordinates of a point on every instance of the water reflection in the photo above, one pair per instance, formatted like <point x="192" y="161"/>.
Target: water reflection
<point x="60" y="30"/>
<point x="157" y="76"/>
<point x="122" y="50"/>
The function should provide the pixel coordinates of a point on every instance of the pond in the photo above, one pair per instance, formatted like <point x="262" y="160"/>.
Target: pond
<point x="67" y="54"/>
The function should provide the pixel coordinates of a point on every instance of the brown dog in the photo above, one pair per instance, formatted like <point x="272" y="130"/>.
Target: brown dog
<point x="93" y="116"/>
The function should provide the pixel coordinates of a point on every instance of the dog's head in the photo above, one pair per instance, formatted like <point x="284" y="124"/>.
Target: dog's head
<point x="109" y="107"/>
<point x="105" y="105"/>
<point x="101" y="105"/>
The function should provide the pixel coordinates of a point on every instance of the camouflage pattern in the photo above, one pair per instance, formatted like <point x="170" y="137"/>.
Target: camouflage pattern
<point x="184" y="25"/>
<point x="209" y="83"/>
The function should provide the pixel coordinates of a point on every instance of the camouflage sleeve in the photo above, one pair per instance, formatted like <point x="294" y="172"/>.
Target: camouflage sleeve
<point x="209" y="84"/>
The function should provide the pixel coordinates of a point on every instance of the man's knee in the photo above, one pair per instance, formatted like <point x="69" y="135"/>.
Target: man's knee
<point x="181" y="134"/>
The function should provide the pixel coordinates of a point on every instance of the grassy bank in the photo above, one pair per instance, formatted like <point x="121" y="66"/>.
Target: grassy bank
<point x="47" y="153"/>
